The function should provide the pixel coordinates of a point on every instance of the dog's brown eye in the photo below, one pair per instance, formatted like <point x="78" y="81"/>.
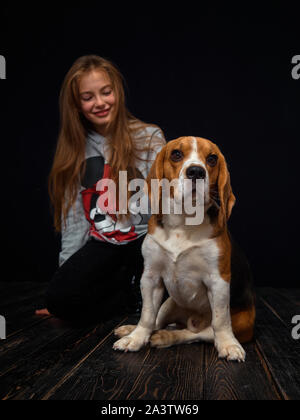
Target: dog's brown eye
<point x="212" y="160"/>
<point x="176" y="155"/>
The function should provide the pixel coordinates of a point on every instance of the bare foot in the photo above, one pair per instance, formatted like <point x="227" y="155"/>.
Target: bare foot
<point x="42" y="312"/>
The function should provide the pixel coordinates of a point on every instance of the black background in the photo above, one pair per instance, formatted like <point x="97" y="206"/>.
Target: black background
<point x="219" y="73"/>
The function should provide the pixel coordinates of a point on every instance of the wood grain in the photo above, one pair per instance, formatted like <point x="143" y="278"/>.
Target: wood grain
<point x="44" y="358"/>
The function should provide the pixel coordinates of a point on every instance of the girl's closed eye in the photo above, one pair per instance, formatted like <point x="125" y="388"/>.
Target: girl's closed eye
<point x="86" y="98"/>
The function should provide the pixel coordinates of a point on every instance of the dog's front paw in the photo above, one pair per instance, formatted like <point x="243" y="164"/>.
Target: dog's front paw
<point x="129" y="343"/>
<point x="124" y="330"/>
<point x="231" y="350"/>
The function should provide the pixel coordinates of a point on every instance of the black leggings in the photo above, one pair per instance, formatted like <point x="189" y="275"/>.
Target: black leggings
<point x="96" y="282"/>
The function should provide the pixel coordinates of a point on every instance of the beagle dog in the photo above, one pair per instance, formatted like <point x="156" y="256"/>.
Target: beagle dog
<point x="207" y="277"/>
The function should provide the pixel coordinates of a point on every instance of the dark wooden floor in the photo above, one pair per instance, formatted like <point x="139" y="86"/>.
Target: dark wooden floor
<point x="46" y="359"/>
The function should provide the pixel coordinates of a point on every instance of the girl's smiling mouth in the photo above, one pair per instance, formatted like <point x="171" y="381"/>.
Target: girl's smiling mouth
<point x="103" y="113"/>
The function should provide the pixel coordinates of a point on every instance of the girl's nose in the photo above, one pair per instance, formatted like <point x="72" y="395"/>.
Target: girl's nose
<point x="99" y="101"/>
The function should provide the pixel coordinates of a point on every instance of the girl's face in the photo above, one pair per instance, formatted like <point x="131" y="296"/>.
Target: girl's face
<point x="97" y="99"/>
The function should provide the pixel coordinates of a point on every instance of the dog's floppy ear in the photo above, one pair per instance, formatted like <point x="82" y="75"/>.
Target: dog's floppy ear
<point x="226" y="196"/>
<point x="156" y="173"/>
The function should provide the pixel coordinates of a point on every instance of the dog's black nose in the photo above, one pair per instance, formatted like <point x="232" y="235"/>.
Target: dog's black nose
<point x="196" y="172"/>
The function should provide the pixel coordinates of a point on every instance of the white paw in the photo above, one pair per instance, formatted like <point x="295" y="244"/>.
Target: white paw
<point x="232" y="351"/>
<point x="129" y="344"/>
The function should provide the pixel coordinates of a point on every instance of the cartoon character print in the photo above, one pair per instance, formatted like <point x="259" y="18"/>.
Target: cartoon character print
<point x="103" y="223"/>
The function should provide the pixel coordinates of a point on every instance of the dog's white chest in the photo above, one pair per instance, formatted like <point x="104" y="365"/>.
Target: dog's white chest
<point x="176" y="244"/>
<point x="177" y="240"/>
<point x="185" y="261"/>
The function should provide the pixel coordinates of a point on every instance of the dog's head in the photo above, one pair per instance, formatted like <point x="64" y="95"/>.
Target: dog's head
<point x="195" y="158"/>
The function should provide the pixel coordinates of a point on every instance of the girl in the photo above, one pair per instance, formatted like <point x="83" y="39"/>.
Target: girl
<point x="101" y="250"/>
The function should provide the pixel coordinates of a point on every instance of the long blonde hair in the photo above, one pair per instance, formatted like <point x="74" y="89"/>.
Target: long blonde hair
<point x="69" y="159"/>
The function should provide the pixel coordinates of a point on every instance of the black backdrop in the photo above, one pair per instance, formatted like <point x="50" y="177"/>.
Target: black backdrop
<point x="223" y="74"/>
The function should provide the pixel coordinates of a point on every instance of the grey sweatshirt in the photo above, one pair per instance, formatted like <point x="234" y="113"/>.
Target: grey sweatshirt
<point x="86" y="219"/>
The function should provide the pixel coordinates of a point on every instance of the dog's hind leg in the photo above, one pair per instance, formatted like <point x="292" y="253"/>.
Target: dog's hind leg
<point x="197" y="328"/>
<point x="171" y="313"/>
<point x="167" y="338"/>
<point x="166" y="314"/>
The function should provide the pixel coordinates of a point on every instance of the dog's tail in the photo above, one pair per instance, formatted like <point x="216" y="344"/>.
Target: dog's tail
<point x="243" y="324"/>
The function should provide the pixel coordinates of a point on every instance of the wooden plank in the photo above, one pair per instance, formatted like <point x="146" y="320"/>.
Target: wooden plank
<point x="103" y="374"/>
<point x="194" y="372"/>
<point x="281" y="303"/>
<point x="279" y="350"/>
<point x="18" y="353"/>
<point x="237" y="381"/>
<point x="45" y="360"/>
<point x="174" y="373"/>
<point x="26" y="320"/>
<point x="292" y="294"/>
<point x="22" y="318"/>
<point x="36" y="360"/>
